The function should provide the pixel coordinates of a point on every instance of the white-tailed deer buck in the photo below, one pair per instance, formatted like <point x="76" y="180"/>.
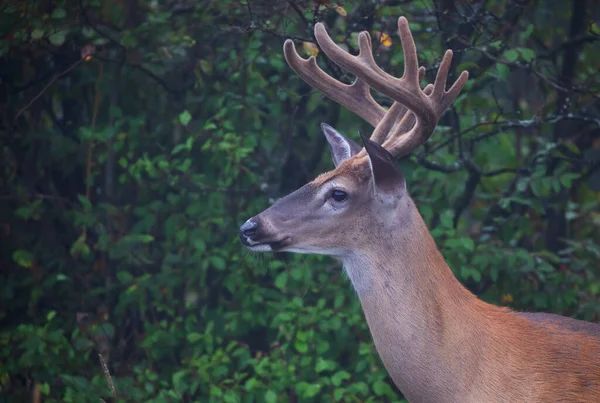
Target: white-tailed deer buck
<point x="438" y="341"/>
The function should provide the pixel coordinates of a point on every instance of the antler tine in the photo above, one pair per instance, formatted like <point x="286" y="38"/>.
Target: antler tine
<point x="439" y="86"/>
<point x="400" y="141"/>
<point x="356" y="96"/>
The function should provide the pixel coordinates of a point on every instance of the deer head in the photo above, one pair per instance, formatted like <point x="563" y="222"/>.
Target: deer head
<point x="351" y="209"/>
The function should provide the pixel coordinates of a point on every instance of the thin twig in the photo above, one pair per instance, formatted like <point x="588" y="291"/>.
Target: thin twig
<point x="20" y="112"/>
<point x="113" y="391"/>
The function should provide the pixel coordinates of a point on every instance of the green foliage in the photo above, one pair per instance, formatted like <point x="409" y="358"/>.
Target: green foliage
<point x="138" y="136"/>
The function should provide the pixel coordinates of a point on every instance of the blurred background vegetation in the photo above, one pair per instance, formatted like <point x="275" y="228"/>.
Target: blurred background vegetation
<point x="137" y="135"/>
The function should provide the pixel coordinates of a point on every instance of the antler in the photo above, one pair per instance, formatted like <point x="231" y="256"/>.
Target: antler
<point x="391" y="127"/>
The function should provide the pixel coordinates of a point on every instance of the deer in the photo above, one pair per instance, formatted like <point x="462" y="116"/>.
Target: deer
<point x="437" y="340"/>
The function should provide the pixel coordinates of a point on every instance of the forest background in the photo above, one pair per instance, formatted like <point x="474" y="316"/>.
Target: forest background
<point x="136" y="136"/>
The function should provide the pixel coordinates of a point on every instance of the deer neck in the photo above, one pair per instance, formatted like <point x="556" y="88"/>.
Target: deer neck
<point x="424" y="323"/>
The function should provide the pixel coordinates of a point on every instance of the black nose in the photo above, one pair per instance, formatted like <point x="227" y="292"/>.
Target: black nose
<point x="249" y="228"/>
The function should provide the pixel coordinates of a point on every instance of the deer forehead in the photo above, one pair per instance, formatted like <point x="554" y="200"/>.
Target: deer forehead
<point x="353" y="170"/>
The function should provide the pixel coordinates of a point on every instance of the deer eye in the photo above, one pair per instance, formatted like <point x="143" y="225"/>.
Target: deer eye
<point x="339" y="195"/>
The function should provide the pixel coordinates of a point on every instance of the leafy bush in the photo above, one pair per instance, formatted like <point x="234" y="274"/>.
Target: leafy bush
<point x="138" y="136"/>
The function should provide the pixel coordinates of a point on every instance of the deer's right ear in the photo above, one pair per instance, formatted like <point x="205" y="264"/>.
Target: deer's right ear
<point x="387" y="177"/>
<point x="341" y="146"/>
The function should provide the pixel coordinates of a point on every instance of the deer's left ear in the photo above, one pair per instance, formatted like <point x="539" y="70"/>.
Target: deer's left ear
<point x="387" y="178"/>
<point x="341" y="147"/>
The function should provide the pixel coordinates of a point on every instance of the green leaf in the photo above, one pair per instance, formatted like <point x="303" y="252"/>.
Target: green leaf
<point x="503" y="71"/>
<point x="322" y="346"/>
<point x="527" y="33"/>
<point x="285" y="316"/>
<point x="45" y="388"/>
<point x="364" y="349"/>
<point x="133" y="239"/>
<point x="538" y="187"/>
<point x="324" y="365"/>
<point x="276" y="264"/>
<point x="468" y="244"/>
<point x="218" y="262"/>
<point x="270" y="396"/>
<point x="178" y="381"/>
<point x="50" y="315"/>
<point x="495" y="44"/>
<point x="129" y="40"/>
<point x="381" y="388"/>
<point x="124" y="277"/>
<point x="567" y="179"/>
<point x="58" y="38"/>
<point x="360" y="388"/>
<point x="185" y="117"/>
<point x="199" y="244"/>
<point x="301" y="346"/>
<point x="462" y="243"/>
<point x="80" y="246"/>
<point x="308" y="390"/>
<point x="527" y="54"/>
<point x="281" y="280"/>
<point x="58" y="13"/>
<point x="339" y="377"/>
<point x="297" y="273"/>
<point x="511" y="55"/>
<point x="85" y="202"/>
<point x="37" y="34"/>
<point x="231" y="397"/>
<point x="194" y="337"/>
<point x="30" y="211"/>
<point x="181" y="235"/>
<point x="251" y="384"/>
<point x="23" y="258"/>
<point x="338" y="394"/>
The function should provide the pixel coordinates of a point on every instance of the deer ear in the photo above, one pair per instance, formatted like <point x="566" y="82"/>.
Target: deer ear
<point x="341" y="147"/>
<point x="387" y="178"/>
